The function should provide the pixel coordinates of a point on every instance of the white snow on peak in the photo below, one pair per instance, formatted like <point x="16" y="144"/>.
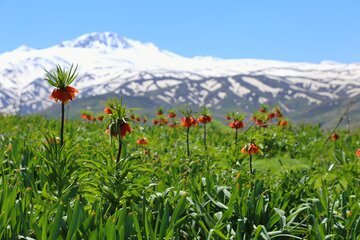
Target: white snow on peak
<point x="23" y="48"/>
<point x="107" y="61"/>
<point x="97" y="40"/>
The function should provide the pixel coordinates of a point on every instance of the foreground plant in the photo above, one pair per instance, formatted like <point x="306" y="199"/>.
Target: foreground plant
<point x="118" y="122"/>
<point x="236" y="123"/>
<point x="188" y="121"/>
<point x="250" y="149"/>
<point x="204" y="119"/>
<point x="63" y="92"/>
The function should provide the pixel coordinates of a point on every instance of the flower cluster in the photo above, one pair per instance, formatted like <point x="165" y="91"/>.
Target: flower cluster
<point x="236" y="120"/>
<point x="250" y="148"/>
<point x="188" y="122"/>
<point x="61" y="80"/>
<point x="116" y="113"/>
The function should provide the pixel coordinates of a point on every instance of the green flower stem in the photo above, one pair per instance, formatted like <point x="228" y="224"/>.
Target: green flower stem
<point x="187" y="141"/>
<point x="205" y="137"/>
<point x="119" y="149"/>
<point x="62" y="123"/>
<point x="250" y="162"/>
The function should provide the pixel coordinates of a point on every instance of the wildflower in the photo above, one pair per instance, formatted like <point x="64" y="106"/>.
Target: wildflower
<point x="100" y="118"/>
<point x="236" y="124"/>
<point x="283" y="123"/>
<point x="250" y="148"/>
<point x="124" y="129"/>
<point x="64" y="94"/>
<point x="172" y="115"/>
<point x="204" y="119"/>
<point x="118" y="126"/>
<point x="163" y="121"/>
<point x="271" y="116"/>
<point x="107" y="110"/>
<point x="84" y="116"/>
<point x="142" y="141"/>
<point x="188" y="121"/>
<point x="155" y="121"/>
<point x="334" y="137"/>
<point x="357" y="153"/>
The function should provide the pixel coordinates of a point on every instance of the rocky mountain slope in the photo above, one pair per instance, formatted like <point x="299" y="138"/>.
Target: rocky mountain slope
<point x="111" y="64"/>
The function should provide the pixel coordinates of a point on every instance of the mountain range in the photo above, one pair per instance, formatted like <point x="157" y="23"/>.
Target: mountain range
<point x="112" y="65"/>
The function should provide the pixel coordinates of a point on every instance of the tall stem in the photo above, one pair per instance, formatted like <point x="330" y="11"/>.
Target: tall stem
<point x="236" y="140"/>
<point x="62" y="123"/>
<point x="187" y="141"/>
<point x="119" y="149"/>
<point x="251" y="171"/>
<point x="205" y="137"/>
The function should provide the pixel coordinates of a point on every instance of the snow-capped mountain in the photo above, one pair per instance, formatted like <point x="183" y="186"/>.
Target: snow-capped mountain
<point x="109" y="63"/>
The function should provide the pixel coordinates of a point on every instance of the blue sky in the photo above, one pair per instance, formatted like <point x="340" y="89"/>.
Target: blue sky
<point x="302" y="30"/>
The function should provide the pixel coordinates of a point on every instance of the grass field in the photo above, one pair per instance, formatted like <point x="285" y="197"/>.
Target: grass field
<point x="302" y="186"/>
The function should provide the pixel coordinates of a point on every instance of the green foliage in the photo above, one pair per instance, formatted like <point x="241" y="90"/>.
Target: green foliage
<point x="301" y="189"/>
<point x="61" y="78"/>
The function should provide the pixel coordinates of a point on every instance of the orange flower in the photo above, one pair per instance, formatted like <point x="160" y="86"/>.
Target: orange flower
<point x="250" y="148"/>
<point x="124" y="129"/>
<point x="204" y="119"/>
<point x="141" y="141"/>
<point x="271" y="116"/>
<point x="236" y="124"/>
<point x="162" y="121"/>
<point x="228" y="117"/>
<point x="107" y="110"/>
<point x="64" y="95"/>
<point x="172" y="115"/>
<point x="334" y="137"/>
<point x="100" y="118"/>
<point x="84" y="116"/>
<point x="283" y="123"/>
<point x="188" y="121"/>
<point x="357" y="153"/>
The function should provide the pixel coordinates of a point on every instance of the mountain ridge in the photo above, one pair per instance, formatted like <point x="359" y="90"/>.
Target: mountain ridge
<point x="110" y="63"/>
